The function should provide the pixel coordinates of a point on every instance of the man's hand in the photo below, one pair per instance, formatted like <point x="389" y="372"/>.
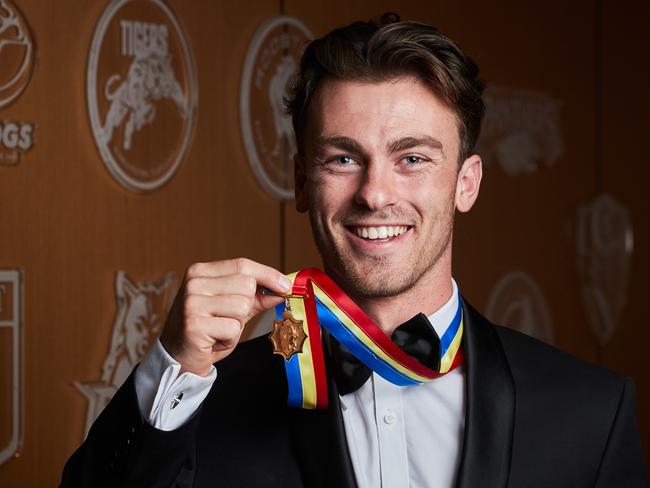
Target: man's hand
<point x="212" y="307"/>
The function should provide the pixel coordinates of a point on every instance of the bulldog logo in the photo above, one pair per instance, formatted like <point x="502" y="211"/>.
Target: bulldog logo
<point x="16" y="53"/>
<point x="269" y="67"/>
<point x="141" y="311"/>
<point x="141" y="90"/>
<point x="11" y="384"/>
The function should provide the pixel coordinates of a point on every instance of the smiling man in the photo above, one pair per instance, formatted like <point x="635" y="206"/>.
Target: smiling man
<point x="386" y="117"/>
<point x="381" y="176"/>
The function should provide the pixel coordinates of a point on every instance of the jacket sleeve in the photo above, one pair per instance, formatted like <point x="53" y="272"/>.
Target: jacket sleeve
<point x="622" y="462"/>
<point x="123" y="450"/>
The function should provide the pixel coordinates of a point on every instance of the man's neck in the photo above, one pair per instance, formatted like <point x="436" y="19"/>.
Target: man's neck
<point x="426" y="296"/>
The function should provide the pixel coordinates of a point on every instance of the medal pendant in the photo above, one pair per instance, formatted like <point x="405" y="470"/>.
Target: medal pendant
<point x="288" y="335"/>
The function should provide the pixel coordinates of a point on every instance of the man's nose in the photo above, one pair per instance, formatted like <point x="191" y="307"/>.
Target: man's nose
<point x="377" y="186"/>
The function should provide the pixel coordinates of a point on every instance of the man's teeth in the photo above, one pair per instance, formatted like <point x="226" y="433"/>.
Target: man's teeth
<point x="381" y="232"/>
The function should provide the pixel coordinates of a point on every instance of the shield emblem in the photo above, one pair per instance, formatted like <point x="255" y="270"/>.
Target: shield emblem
<point x="10" y="364"/>
<point x="605" y="241"/>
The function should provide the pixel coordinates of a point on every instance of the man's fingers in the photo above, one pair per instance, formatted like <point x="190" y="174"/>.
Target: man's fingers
<point x="234" y="284"/>
<point x="214" y="333"/>
<point x="264" y="275"/>
<point x="241" y="308"/>
<point x="233" y="306"/>
<point x="226" y="332"/>
<point x="264" y="302"/>
<point x="216" y="301"/>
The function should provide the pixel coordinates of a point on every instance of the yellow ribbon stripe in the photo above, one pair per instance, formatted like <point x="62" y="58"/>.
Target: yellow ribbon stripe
<point x="323" y="297"/>
<point x="448" y="358"/>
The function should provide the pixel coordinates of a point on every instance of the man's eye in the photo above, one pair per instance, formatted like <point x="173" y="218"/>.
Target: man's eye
<point x="344" y="160"/>
<point x="413" y="159"/>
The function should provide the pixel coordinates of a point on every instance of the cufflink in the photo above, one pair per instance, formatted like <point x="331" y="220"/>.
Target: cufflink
<point x="176" y="400"/>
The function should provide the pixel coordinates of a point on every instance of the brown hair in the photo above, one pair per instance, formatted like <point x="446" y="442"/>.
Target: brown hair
<point x="379" y="51"/>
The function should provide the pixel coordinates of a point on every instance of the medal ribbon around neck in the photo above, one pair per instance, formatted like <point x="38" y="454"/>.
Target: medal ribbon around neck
<point x="318" y="302"/>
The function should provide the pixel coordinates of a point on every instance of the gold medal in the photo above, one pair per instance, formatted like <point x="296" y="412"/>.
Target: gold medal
<point x="288" y="335"/>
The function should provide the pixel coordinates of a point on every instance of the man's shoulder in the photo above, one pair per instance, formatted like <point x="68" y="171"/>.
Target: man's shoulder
<point x="568" y="412"/>
<point x="531" y="357"/>
<point x="541" y="358"/>
<point x="540" y="369"/>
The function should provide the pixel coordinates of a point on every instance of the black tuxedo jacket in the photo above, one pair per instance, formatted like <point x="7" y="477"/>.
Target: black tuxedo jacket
<point x="536" y="417"/>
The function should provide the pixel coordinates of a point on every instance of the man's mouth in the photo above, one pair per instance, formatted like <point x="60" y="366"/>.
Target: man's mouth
<point x="373" y="233"/>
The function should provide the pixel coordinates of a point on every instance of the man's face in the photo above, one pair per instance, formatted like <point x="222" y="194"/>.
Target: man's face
<point x="379" y="180"/>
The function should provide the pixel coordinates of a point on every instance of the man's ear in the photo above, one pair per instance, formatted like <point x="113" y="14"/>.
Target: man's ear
<point x="300" y="182"/>
<point x="468" y="183"/>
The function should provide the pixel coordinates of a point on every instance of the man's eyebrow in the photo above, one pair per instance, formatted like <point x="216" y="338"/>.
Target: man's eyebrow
<point x="339" y="142"/>
<point x="411" y="142"/>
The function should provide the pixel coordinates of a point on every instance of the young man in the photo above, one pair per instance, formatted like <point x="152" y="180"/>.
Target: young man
<point x="386" y="118"/>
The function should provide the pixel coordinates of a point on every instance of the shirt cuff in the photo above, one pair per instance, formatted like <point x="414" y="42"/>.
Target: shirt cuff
<point x="166" y="399"/>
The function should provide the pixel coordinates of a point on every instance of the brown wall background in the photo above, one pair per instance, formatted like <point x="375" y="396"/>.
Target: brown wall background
<point x="69" y="226"/>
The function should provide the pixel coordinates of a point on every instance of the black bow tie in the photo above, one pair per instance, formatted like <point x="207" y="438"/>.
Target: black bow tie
<point x="416" y="337"/>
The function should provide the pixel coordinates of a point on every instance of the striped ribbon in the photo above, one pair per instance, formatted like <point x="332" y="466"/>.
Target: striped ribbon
<point x="324" y="304"/>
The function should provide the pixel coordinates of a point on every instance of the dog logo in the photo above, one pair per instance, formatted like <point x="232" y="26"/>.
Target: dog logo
<point x="269" y="68"/>
<point x="521" y="130"/>
<point x="141" y="90"/>
<point x="518" y="302"/>
<point x="11" y="385"/>
<point x="140" y="316"/>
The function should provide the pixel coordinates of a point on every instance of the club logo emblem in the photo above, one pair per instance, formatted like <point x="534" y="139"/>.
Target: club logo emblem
<point x="140" y="316"/>
<point x="141" y="91"/>
<point x="16" y="53"/>
<point x="271" y="62"/>
<point x="605" y="241"/>
<point x="518" y="302"/>
<point x="521" y="131"/>
<point x="16" y="66"/>
<point x="10" y="352"/>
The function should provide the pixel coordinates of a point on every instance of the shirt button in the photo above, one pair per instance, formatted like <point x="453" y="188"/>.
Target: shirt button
<point x="389" y="418"/>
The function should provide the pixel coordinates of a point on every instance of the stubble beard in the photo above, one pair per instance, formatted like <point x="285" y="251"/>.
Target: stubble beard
<point x="370" y="277"/>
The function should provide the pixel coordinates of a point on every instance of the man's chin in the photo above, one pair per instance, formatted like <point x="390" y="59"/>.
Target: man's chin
<point x="380" y="289"/>
<point x="374" y="282"/>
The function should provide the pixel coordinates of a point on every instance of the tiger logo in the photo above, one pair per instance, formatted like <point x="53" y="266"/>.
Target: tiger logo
<point x="149" y="79"/>
<point x="142" y="92"/>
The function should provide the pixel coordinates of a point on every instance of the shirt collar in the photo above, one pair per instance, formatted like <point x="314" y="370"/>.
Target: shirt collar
<point x="441" y="318"/>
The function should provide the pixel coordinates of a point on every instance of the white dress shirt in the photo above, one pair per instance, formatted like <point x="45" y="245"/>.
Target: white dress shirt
<point x="397" y="436"/>
<point x="408" y="436"/>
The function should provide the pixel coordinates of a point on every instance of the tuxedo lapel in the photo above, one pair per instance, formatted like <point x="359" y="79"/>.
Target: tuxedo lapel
<point x="489" y="418"/>
<point x="321" y="445"/>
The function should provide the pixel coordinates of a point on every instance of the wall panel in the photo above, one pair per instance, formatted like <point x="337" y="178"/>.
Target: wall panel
<point x="70" y="226"/>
